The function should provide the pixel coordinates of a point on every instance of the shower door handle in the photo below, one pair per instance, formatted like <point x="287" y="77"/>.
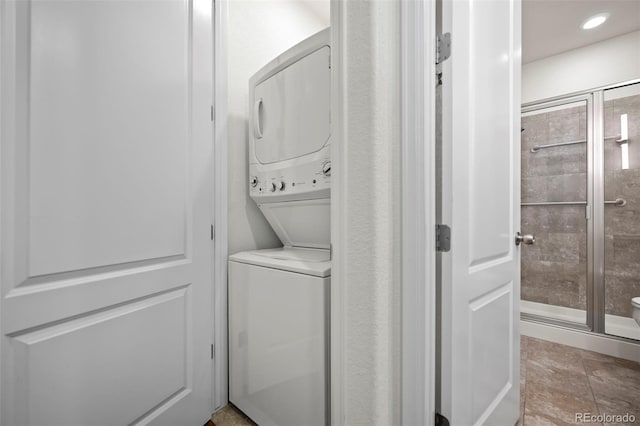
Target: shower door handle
<point x="525" y="239"/>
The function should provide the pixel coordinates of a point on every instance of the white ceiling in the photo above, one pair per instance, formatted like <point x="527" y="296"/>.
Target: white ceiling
<point x="550" y="27"/>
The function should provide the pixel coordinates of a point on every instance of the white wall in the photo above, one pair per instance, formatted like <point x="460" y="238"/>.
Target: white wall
<point x="611" y="61"/>
<point x="258" y="31"/>
<point x="366" y="216"/>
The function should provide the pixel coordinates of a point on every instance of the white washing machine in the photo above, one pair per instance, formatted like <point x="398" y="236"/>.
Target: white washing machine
<point x="279" y="298"/>
<point x="278" y="304"/>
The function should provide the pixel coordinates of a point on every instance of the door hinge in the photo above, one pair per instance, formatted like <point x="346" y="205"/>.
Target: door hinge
<point x="443" y="238"/>
<point x="213" y="233"/>
<point x="443" y="47"/>
<point x="213" y="351"/>
<point x="441" y="420"/>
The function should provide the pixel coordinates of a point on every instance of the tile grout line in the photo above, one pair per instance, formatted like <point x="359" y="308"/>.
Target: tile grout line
<point x="526" y="377"/>
<point x="593" y="395"/>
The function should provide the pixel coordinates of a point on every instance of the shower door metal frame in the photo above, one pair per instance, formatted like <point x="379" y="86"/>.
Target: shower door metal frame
<point x="595" y="206"/>
<point x="597" y="178"/>
<point x="599" y="211"/>
<point x="587" y="98"/>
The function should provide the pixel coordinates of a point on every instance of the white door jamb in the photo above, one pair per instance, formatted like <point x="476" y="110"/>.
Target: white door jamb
<point x="418" y="74"/>
<point x="220" y="360"/>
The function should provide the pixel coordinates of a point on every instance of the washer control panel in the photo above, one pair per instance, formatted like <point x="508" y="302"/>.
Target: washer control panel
<point x="309" y="177"/>
<point x="326" y="168"/>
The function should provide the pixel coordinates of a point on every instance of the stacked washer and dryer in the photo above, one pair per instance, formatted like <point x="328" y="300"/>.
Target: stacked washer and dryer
<point x="279" y="298"/>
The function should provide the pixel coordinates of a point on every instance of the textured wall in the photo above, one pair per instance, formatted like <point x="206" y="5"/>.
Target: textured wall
<point x="369" y="215"/>
<point x="622" y="224"/>
<point x="554" y="270"/>
<point x="600" y="64"/>
<point x="258" y="31"/>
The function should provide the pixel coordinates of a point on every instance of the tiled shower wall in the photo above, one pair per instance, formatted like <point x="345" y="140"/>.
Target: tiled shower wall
<point x="622" y="224"/>
<point x="554" y="269"/>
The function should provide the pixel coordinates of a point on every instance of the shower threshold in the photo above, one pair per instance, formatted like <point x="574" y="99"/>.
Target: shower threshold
<point x="576" y="318"/>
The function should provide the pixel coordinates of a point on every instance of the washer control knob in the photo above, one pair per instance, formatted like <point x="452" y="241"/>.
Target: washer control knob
<point x="254" y="181"/>
<point x="280" y="186"/>
<point x="326" y="168"/>
<point x="273" y="187"/>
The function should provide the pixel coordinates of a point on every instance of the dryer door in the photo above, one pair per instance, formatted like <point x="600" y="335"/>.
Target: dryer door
<point x="291" y="109"/>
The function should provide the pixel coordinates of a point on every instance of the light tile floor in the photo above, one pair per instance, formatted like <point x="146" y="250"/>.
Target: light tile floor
<point x="556" y="382"/>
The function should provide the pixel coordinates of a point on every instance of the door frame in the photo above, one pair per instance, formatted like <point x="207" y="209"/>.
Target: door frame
<point x="3" y="133"/>
<point x="418" y="210"/>
<point x="417" y="100"/>
<point x="418" y="141"/>
<point x="220" y="116"/>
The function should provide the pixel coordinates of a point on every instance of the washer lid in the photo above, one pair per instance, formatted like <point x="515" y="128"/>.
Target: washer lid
<point x="304" y="223"/>
<point x="307" y="261"/>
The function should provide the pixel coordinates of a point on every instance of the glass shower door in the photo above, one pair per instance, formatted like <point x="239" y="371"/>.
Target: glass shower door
<point x="621" y="209"/>
<point x="556" y="138"/>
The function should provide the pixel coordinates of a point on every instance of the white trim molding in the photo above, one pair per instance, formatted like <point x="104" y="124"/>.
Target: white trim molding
<point x="418" y="75"/>
<point x="220" y="376"/>
<point x="7" y="102"/>
<point x="338" y="213"/>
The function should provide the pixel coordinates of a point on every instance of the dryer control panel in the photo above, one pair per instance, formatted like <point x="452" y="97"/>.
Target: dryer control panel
<point x="305" y="181"/>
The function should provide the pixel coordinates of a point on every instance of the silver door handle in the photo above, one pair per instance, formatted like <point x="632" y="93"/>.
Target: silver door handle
<point x="525" y="239"/>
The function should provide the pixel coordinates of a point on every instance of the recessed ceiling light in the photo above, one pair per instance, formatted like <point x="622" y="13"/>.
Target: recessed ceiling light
<point x="594" y="21"/>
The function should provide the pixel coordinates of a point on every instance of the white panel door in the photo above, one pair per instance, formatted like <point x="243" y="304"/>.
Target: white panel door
<point x="481" y="203"/>
<point x="106" y="259"/>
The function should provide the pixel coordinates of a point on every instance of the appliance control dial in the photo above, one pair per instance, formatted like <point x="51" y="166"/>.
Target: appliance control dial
<point x="326" y="168"/>
<point x="254" y="181"/>
<point x="273" y="187"/>
<point x="280" y="186"/>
